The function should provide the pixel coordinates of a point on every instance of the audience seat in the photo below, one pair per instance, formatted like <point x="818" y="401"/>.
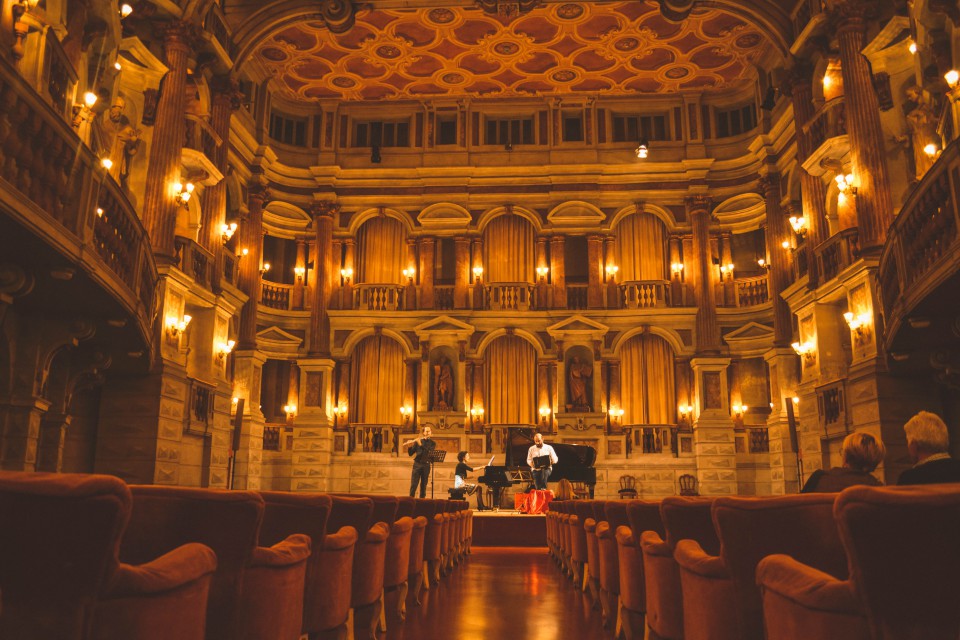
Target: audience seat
<point x="615" y="512"/>
<point x="904" y="558"/>
<point x="683" y="519"/>
<point x="228" y="522"/>
<point x="721" y="599"/>
<point x="369" y="561"/>
<point x="60" y="575"/>
<point x="643" y="516"/>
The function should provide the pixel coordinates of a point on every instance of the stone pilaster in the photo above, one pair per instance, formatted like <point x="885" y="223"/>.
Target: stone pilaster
<point x="714" y="442"/>
<point x="558" y="273"/>
<point x="159" y="200"/>
<point x="323" y="275"/>
<point x="461" y="290"/>
<point x="225" y="100"/>
<point x="248" y="457"/>
<point x="779" y="276"/>
<point x="251" y="241"/>
<point x="595" y="292"/>
<point x="874" y="201"/>
<point x="708" y="330"/>
<point x="784" y="476"/>
<point x="428" y="256"/>
<point x="313" y="430"/>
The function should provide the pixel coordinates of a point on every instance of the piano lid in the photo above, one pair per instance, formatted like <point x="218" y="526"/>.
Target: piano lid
<point x="573" y="459"/>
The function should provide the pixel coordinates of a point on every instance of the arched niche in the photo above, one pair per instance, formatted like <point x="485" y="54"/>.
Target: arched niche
<point x="445" y="371"/>
<point x="579" y="373"/>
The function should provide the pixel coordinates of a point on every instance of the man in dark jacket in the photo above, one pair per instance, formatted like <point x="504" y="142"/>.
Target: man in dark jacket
<point x="928" y="443"/>
<point x="420" y="448"/>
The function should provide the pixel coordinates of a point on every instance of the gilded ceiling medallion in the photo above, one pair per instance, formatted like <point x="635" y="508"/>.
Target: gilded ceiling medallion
<point x="441" y="16"/>
<point x="569" y="11"/>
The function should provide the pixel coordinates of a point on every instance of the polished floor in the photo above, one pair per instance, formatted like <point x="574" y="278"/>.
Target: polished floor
<point x="503" y="594"/>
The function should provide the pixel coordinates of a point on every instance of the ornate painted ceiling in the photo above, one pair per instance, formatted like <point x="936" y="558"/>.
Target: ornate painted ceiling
<point x="610" y="48"/>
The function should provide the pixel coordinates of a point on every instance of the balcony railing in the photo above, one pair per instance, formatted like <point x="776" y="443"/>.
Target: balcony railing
<point x="378" y="297"/>
<point x="374" y="438"/>
<point x="443" y="297"/>
<point x="837" y="253"/>
<point x="200" y="136"/>
<point x="61" y="188"/>
<point x="752" y="291"/>
<point x="759" y="439"/>
<point x="923" y="245"/>
<point x="832" y="408"/>
<point x="649" y="439"/>
<point x="644" y="294"/>
<point x="830" y="121"/>
<point x="195" y="261"/>
<point x="509" y="296"/>
<point x="276" y="295"/>
<point x="577" y="296"/>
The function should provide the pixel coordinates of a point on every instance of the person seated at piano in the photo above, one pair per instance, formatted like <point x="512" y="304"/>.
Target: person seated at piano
<point x="540" y="476"/>
<point x="460" y="474"/>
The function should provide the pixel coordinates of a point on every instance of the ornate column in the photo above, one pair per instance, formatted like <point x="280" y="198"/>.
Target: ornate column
<point x="322" y="284"/>
<point x="213" y="201"/>
<point x="462" y="276"/>
<point x="708" y="330"/>
<point x="558" y="272"/>
<point x="251" y="241"/>
<point x="778" y="276"/>
<point x="427" y="261"/>
<point x="874" y="201"/>
<point x="813" y="192"/>
<point x="595" y="272"/>
<point x="166" y="148"/>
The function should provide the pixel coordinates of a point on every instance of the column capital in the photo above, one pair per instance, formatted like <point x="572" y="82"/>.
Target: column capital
<point x="179" y="34"/>
<point x="324" y="209"/>
<point x="698" y="202"/>
<point x="769" y="185"/>
<point x="226" y="90"/>
<point x="257" y="191"/>
<point x="427" y="240"/>
<point x="852" y="15"/>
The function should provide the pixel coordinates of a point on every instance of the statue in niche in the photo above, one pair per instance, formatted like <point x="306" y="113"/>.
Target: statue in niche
<point x="443" y="392"/>
<point x="922" y="125"/>
<point x="578" y="373"/>
<point x="116" y="138"/>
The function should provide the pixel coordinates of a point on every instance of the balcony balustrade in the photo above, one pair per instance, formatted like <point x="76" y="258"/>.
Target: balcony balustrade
<point x="577" y="296"/>
<point x="829" y="122"/>
<point x="378" y="297"/>
<point x="644" y="294"/>
<point x="276" y="295"/>
<point x="651" y="439"/>
<point x="752" y="291"/>
<point x="195" y="261"/>
<point x="200" y="136"/>
<point x="443" y="297"/>
<point x="509" y="296"/>
<point x="837" y="253"/>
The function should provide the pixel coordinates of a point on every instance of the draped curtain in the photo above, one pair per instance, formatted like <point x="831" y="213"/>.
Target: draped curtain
<point x="508" y="250"/>
<point x="376" y="381"/>
<point x="382" y="247"/>
<point x="647" y="380"/>
<point x="511" y="366"/>
<point x="640" y="248"/>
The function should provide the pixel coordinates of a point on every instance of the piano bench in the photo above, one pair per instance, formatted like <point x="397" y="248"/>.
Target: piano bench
<point x="457" y="494"/>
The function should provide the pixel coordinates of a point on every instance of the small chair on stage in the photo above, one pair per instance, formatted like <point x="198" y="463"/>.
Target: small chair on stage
<point x="628" y="488"/>
<point x="688" y="485"/>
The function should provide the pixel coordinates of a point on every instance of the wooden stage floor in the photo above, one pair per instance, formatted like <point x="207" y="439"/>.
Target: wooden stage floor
<point x="509" y="529"/>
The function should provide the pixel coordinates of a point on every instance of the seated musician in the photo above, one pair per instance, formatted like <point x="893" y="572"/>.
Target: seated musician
<point x="460" y="474"/>
<point x="540" y="476"/>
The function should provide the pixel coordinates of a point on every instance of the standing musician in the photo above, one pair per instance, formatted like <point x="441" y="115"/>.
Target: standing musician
<point x="540" y="476"/>
<point x="420" y="448"/>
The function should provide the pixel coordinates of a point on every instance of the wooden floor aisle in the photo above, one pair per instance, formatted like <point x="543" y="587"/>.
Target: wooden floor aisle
<point x="502" y="594"/>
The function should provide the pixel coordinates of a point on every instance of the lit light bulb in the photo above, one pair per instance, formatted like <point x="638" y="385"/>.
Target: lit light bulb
<point x="930" y="149"/>
<point x="912" y="47"/>
<point x="125" y="10"/>
<point x="952" y="77"/>
<point x="89" y="98"/>
<point x="106" y="163"/>
<point x="116" y="65"/>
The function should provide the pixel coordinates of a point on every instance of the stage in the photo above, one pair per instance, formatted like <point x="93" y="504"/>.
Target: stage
<point x="509" y="528"/>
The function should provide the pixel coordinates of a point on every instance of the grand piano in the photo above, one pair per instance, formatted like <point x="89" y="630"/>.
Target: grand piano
<point x="575" y="463"/>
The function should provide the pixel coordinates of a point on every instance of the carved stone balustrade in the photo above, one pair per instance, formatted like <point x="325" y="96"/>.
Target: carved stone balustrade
<point x="378" y="297"/>
<point x="644" y="294"/>
<point x="752" y="291"/>
<point x="509" y="296"/>
<point x="827" y="130"/>
<point x="576" y="296"/>
<point x="837" y="253"/>
<point x="276" y="295"/>
<point x="443" y="297"/>
<point x="195" y="261"/>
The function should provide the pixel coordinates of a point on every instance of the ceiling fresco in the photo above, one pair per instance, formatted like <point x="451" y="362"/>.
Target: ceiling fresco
<point x="608" y="48"/>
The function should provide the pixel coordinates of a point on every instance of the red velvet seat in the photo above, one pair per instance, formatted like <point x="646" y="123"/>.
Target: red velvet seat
<point x="59" y="538"/>
<point x="325" y="609"/>
<point x="615" y="513"/>
<point x="683" y="519"/>
<point x="229" y="523"/>
<point x="904" y="558"/>
<point x="643" y="516"/>
<point x="584" y="511"/>
<point x="721" y="599"/>
<point x="593" y="551"/>
<point x="369" y="562"/>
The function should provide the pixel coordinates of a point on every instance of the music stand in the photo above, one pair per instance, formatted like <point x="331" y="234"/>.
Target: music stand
<point x="437" y="455"/>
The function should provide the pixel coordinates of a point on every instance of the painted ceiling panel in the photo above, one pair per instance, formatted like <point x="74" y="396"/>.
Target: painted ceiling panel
<point x="608" y="48"/>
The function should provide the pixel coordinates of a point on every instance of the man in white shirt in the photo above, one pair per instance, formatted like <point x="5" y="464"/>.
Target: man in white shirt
<point x="538" y="449"/>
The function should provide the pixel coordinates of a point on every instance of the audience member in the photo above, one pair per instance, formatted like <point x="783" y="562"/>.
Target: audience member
<point x="861" y="453"/>
<point x="564" y="490"/>
<point x="928" y="444"/>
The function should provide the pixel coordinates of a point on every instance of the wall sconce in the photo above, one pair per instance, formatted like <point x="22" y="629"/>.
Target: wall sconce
<point x="407" y="414"/>
<point x="762" y="263"/>
<point x="726" y="269"/>
<point x="234" y="401"/>
<point x="290" y="410"/>
<point x="931" y="150"/>
<point x="799" y="224"/>
<point x="409" y="274"/>
<point x="738" y="411"/>
<point x="544" y="414"/>
<point x="125" y="10"/>
<point x="676" y="268"/>
<point x="83" y="111"/>
<point x="858" y="323"/>
<point x="106" y="163"/>
<point x="477" y="273"/>
<point x="243" y="252"/>
<point x="786" y="245"/>
<point x="616" y="414"/>
<point x="827" y="81"/>
<point x="477" y="414"/>
<point x="686" y="412"/>
<point x="264" y="268"/>
<point x="542" y="272"/>
<point x="611" y="270"/>
<point x="346" y="274"/>
<point x="806" y="350"/>
<point x="183" y="192"/>
<point x="952" y="77"/>
<point x="299" y="273"/>
<point x="224" y="349"/>
<point x="339" y="411"/>
<point x="176" y="327"/>
<point x="643" y="149"/>
<point x="845" y="182"/>
<point x="796" y="401"/>
<point x="227" y="231"/>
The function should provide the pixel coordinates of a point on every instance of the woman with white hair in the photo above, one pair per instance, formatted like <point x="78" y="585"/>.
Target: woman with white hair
<point x="929" y="444"/>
